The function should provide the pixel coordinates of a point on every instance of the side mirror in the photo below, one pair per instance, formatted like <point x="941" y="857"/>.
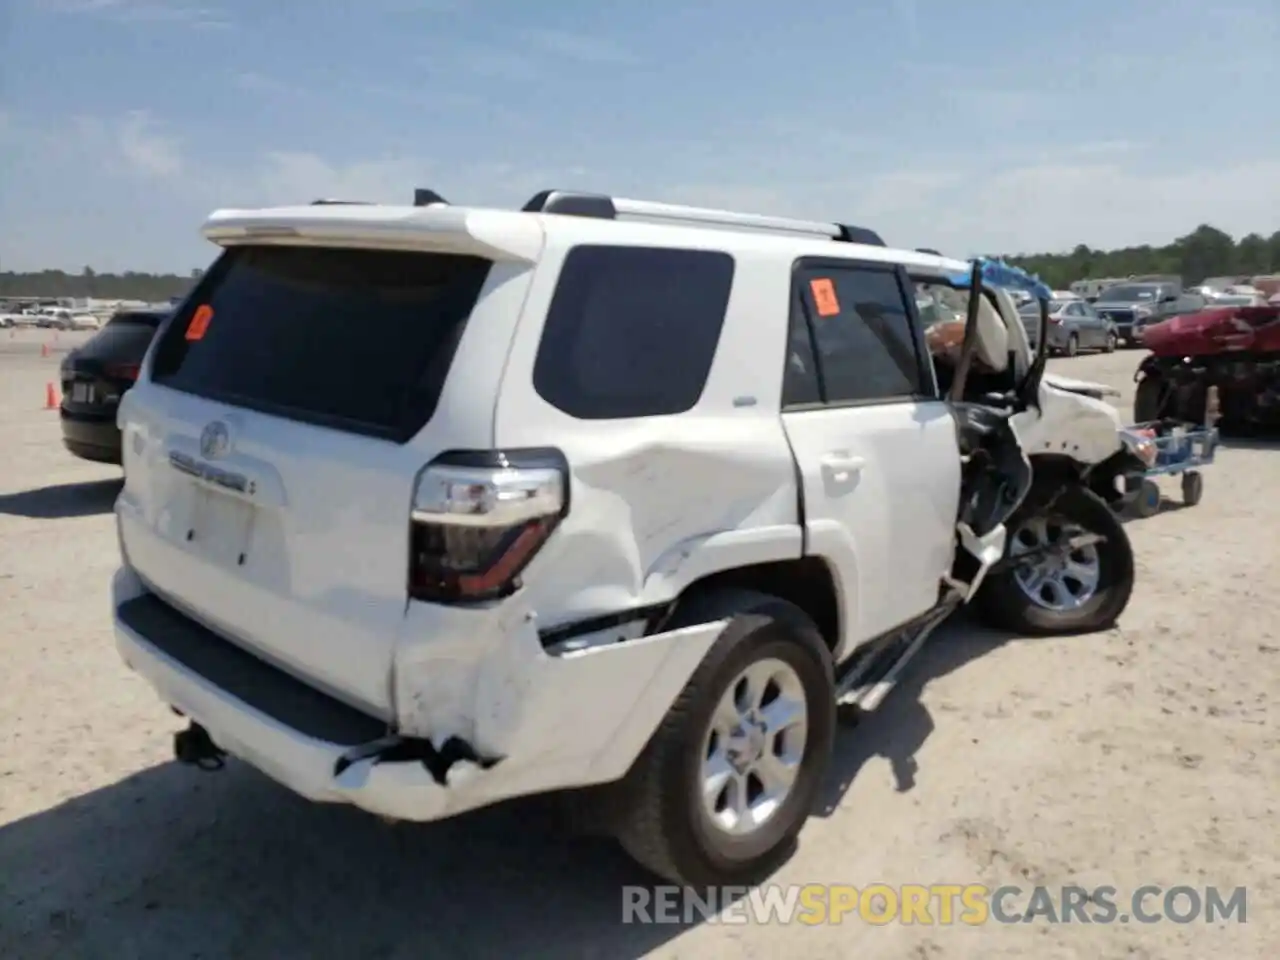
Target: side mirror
<point x="1169" y="298"/>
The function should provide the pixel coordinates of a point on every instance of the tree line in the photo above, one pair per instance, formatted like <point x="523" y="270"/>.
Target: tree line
<point x="1203" y="253"/>
<point x="130" y="285"/>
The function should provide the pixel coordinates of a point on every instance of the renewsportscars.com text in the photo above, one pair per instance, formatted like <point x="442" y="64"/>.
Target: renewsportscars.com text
<point x="938" y="904"/>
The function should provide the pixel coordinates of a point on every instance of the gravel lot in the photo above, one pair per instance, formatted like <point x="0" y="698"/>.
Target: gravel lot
<point x="1145" y="755"/>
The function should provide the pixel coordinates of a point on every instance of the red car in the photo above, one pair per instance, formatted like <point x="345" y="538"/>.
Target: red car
<point x="1233" y="348"/>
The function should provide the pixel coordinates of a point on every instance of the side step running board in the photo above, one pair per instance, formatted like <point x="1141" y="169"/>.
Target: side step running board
<point x="869" y="677"/>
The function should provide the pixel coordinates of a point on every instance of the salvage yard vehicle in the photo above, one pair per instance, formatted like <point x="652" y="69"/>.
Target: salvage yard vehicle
<point x="1073" y="325"/>
<point x="1225" y="356"/>
<point x="95" y="376"/>
<point x="612" y="494"/>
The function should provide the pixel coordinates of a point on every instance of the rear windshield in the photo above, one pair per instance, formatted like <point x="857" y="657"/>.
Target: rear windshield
<point x="357" y="340"/>
<point x="151" y="320"/>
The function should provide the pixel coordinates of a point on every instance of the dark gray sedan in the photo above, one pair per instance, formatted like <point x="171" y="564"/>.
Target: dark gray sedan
<point x="1073" y="326"/>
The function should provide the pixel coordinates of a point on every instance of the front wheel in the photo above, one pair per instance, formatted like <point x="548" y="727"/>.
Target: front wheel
<point x="1073" y="345"/>
<point x="1064" y="590"/>
<point x="725" y="785"/>
<point x="1110" y="345"/>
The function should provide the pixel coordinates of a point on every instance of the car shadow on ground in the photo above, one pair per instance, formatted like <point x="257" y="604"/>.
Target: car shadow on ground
<point x="172" y="862"/>
<point x="898" y="728"/>
<point x="85" y="499"/>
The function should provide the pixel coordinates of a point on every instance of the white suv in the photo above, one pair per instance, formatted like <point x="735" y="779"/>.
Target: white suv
<point x="427" y="507"/>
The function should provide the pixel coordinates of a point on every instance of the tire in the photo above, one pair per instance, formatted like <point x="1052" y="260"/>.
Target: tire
<point x="1147" y="502"/>
<point x="1006" y="604"/>
<point x="1192" y="487"/>
<point x="1148" y="401"/>
<point x="1110" y="345"/>
<point x="1073" y="345"/>
<point x="665" y="827"/>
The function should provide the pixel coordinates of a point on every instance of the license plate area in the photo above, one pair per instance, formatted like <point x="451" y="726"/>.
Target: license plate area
<point x="219" y="526"/>
<point x="82" y="392"/>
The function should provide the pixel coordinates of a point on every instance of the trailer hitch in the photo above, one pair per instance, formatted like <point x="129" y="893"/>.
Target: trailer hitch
<point x="195" y="747"/>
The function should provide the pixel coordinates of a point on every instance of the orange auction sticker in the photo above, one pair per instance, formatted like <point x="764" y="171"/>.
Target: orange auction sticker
<point x="199" y="322"/>
<point x="824" y="297"/>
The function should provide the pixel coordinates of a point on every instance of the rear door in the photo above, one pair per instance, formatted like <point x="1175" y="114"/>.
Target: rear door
<point x="875" y="445"/>
<point x="271" y="448"/>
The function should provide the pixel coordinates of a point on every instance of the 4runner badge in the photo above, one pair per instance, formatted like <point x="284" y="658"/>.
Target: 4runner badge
<point x="215" y="441"/>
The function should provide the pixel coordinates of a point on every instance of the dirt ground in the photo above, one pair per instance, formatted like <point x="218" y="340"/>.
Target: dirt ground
<point x="1145" y="755"/>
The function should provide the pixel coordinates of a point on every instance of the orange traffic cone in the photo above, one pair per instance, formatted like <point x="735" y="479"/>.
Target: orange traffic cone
<point x="50" y="396"/>
<point x="44" y="349"/>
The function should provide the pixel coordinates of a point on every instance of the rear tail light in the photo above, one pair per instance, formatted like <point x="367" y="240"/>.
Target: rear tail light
<point x="479" y="518"/>
<point x="123" y="371"/>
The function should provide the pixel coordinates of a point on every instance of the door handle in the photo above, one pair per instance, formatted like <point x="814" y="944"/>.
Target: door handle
<point x="842" y="466"/>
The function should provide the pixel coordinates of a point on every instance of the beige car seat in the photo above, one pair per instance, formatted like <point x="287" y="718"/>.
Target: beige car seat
<point x="991" y="346"/>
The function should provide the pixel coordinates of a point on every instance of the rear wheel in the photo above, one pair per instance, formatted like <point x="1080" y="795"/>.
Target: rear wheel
<point x="725" y="785"/>
<point x="1064" y="590"/>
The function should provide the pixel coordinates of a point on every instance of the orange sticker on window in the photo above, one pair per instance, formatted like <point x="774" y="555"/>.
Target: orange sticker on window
<point x="199" y="322"/>
<point x="824" y="297"/>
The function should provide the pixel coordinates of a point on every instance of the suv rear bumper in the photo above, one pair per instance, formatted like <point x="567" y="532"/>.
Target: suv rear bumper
<point x="584" y="717"/>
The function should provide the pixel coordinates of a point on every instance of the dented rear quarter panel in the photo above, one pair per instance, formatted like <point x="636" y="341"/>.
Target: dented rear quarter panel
<point x="658" y="502"/>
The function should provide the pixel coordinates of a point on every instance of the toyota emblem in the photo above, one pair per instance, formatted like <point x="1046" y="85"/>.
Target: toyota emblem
<point x="215" y="441"/>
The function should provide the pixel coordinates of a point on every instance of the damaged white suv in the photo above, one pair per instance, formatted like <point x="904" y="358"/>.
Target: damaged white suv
<point x="426" y="507"/>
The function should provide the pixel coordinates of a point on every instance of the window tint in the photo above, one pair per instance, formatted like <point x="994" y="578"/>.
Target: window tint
<point x="800" y="380"/>
<point x="125" y="337"/>
<point x="632" y="331"/>
<point x="861" y="325"/>
<point x="359" y="340"/>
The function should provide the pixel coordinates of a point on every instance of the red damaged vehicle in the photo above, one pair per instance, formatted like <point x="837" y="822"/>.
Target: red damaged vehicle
<point x="1234" y="349"/>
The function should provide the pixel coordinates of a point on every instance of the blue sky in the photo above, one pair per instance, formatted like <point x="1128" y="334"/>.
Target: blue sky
<point x="987" y="125"/>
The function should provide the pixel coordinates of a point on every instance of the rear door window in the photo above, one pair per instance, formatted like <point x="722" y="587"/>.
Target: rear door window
<point x="358" y="340"/>
<point x="862" y="323"/>
<point x="632" y="331"/>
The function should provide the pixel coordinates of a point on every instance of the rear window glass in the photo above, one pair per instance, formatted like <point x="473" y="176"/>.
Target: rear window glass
<point x="151" y="320"/>
<point x="125" y="336"/>
<point x="632" y="331"/>
<point x="359" y="340"/>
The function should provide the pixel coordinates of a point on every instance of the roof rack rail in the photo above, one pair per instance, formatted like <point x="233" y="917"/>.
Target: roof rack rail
<point x="339" y="203"/>
<point x="422" y="197"/>
<point x="928" y="250"/>
<point x="603" y="207"/>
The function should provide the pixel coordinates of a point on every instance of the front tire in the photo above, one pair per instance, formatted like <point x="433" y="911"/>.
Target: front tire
<point x="1073" y="345"/>
<point x="1110" y="345"/>
<point x="1084" y="591"/>
<point x="728" y="780"/>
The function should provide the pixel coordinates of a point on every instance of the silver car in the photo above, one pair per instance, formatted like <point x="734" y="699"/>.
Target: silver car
<point x="1073" y="326"/>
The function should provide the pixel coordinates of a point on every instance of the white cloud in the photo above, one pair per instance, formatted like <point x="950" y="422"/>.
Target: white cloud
<point x="146" y="149"/>
<point x="1028" y="197"/>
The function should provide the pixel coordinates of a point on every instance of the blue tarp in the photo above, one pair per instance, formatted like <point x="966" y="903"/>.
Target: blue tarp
<point x="997" y="273"/>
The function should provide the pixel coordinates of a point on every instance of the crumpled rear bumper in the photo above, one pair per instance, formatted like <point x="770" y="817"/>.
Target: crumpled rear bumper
<point x="582" y="718"/>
